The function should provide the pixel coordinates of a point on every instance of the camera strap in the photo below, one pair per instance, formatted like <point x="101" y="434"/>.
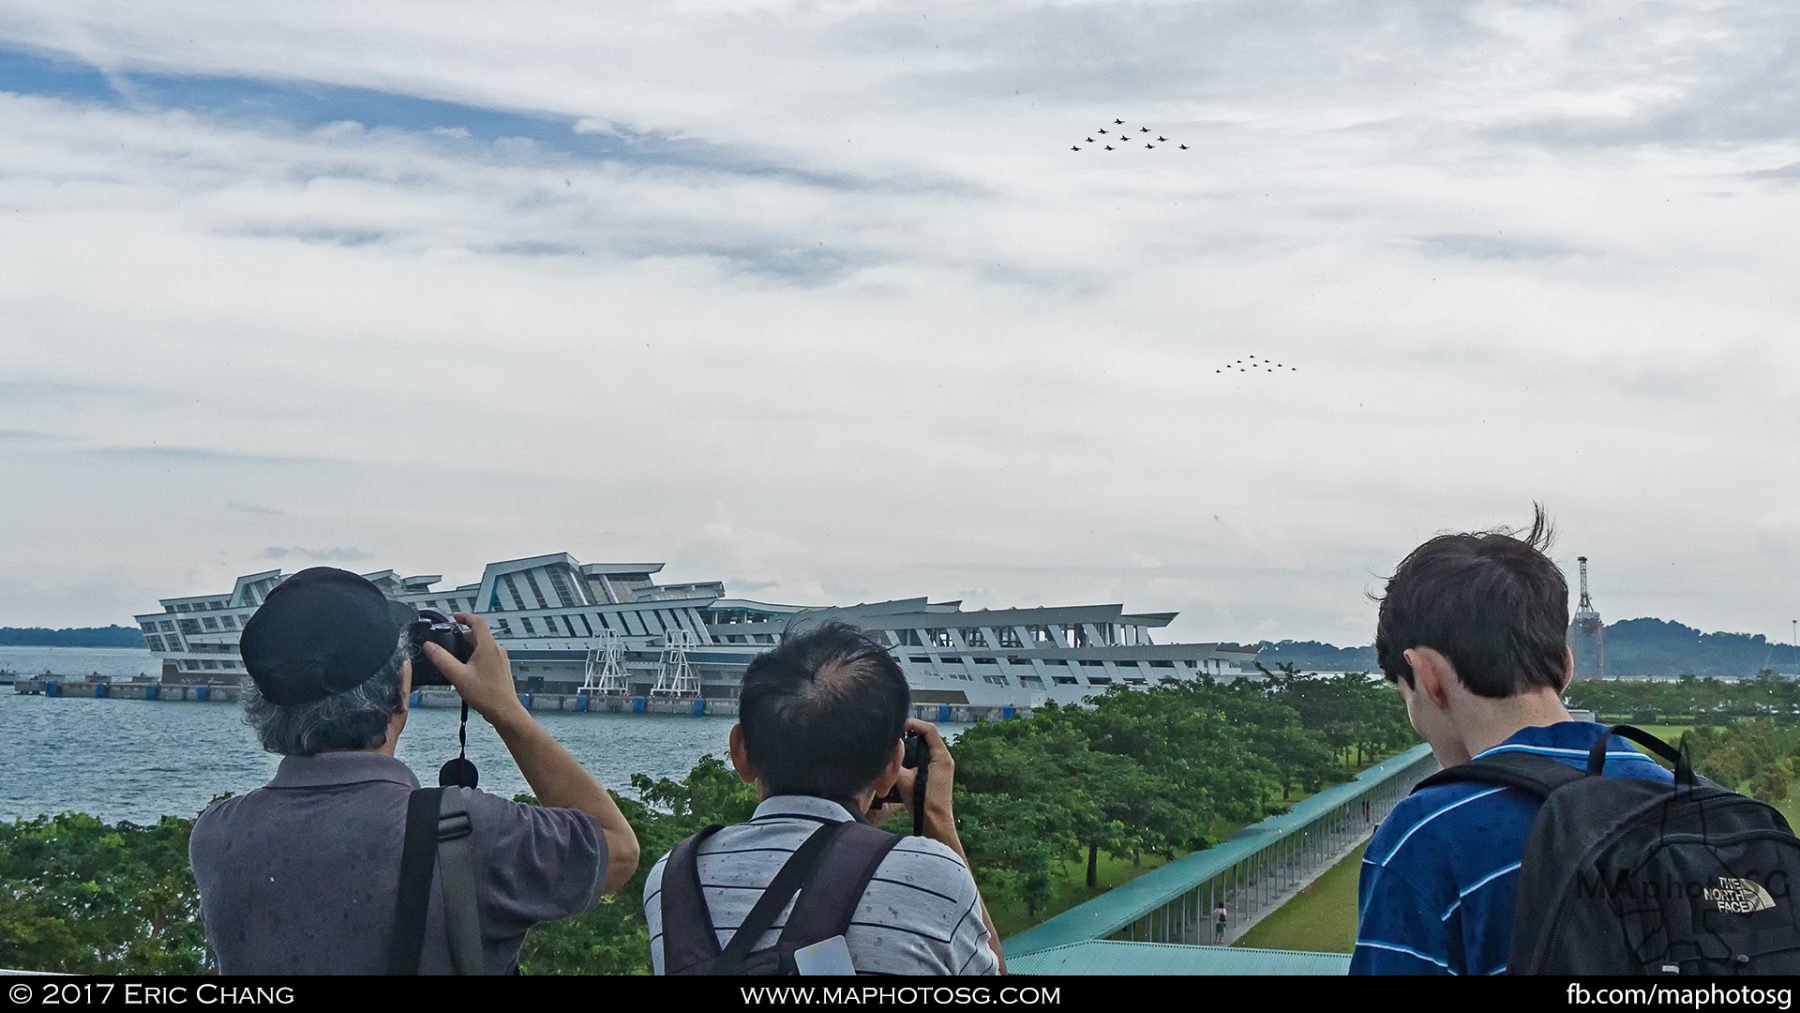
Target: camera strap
<point x="438" y="837"/>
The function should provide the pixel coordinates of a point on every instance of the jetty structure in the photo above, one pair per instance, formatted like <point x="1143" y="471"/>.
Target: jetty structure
<point x="610" y="630"/>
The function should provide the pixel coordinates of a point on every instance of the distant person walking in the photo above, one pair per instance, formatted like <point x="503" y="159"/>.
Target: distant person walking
<point x="1220" y="918"/>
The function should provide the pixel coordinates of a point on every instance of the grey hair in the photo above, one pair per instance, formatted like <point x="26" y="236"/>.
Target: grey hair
<point x="354" y="719"/>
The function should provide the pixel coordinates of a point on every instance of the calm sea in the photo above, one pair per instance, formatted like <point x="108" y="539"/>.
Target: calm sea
<point x="139" y="760"/>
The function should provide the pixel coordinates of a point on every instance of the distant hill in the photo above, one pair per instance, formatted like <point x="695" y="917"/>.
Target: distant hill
<point x="1633" y="647"/>
<point x="1313" y="656"/>
<point x="1659" y="647"/>
<point x="85" y="636"/>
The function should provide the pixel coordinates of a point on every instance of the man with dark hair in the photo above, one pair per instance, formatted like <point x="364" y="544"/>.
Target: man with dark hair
<point x="1472" y="631"/>
<point x="820" y="733"/>
<point x="301" y="876"/>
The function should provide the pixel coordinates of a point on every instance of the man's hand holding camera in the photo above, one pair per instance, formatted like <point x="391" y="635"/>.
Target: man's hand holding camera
<point x="938" y="820"/>
<point x="485" y="681"/>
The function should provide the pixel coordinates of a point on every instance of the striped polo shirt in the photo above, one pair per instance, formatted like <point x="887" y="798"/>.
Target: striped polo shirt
<point x="1441" y="873"/>
<point x="920" y="915"/>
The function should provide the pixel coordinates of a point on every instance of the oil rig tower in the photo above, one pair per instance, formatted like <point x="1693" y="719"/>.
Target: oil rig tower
<point x="1587" y="635"/>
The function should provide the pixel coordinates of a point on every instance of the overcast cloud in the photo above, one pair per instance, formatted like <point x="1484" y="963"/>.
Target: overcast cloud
<point x="814" y="298"/>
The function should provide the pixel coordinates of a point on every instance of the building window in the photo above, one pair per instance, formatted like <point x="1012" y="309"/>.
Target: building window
<point x="1099" y="680"/>
<point x="530" y="630"/>
<point x="536" y="591"/>
<point x="1065" y="680"/>
<point x="1031" y="681"/>
<point x="505" y="628"/>
<point x="987" y="661"/>
<point x="561" y="587"/>
<point x="229" y="622"/>
<point x="997" y="680"/>
<point x="212" y="622"/>
<point x="154" y="643"/>
<point x="513" y="590"/>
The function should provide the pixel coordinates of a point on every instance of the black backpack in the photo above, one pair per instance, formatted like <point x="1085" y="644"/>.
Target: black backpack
<point x="830" y="872"/>
<point x="1626" y="875"/>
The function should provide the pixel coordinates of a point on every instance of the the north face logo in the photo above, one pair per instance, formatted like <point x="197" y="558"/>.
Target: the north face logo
<point x="1738" y="896"/>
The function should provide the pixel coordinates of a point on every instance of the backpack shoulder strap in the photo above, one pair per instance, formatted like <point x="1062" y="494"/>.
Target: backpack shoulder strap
<point x="1530" y="773"/>
<point x="774" y="900"/>
<point x="829" y="899"/>
<point x="418" y="856"/>
<point x="458" y="883"/>
<point x="688" y="936"/>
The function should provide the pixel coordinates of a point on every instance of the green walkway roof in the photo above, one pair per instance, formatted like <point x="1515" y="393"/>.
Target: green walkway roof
<point x="1111" y="911"/>
<point x="1110" y="956"/>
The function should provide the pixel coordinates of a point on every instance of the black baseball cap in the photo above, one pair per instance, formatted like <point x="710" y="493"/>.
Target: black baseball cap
<point x="321" y="631"/>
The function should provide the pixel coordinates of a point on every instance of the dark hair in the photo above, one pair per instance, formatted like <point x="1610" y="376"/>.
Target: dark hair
<point x="822" y="711"/>
<point x="354" y="719"/>
<point x="1489" y="601"/>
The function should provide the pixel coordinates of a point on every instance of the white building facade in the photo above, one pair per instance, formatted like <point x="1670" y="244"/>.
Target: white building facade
<point x="574" y="627"/>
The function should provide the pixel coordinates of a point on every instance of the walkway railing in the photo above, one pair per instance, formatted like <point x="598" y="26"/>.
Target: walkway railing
<point x="1251" y="873"/>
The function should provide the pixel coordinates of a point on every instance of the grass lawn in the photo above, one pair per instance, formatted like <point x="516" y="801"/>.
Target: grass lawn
<point x="1320" y="918"/>
<point x="1069" y="889"/>
<point x="1070" y="884"/>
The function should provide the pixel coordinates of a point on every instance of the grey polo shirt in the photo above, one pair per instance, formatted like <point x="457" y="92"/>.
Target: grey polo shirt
<point x="299" y="876"/>
<point x="920" y="915"/>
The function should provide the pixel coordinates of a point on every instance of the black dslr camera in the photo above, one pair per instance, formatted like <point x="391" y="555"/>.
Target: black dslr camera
<point x="915" y="756"/>
<point x="435" y="628"/>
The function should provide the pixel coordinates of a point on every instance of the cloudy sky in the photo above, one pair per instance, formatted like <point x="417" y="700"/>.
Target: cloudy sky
<point x="814" y="298"/>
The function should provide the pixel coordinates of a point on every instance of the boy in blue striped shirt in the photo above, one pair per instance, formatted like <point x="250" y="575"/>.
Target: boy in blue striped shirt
<point x="1473" y="633"/>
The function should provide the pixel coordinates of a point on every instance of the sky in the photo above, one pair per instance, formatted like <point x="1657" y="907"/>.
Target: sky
<point x="814" y="298"/>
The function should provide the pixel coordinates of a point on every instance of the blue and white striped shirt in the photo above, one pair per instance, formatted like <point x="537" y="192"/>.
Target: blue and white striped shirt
<point x="1440" y="875"/>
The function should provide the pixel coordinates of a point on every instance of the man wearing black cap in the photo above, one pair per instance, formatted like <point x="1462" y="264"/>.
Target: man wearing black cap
<point x="300" y="876"/>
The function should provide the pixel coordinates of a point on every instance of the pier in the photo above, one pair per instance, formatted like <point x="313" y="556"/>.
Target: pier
<point x="573" y="703"/>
